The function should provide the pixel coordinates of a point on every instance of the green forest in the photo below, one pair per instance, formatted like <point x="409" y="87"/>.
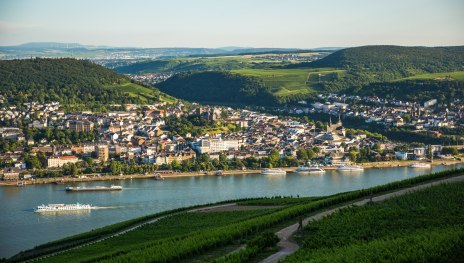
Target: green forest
<point x="77" y="84"/>
<point x="217" y="87"/>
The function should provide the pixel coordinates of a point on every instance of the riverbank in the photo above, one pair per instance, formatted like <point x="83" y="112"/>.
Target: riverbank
<point x="96" y="177"/>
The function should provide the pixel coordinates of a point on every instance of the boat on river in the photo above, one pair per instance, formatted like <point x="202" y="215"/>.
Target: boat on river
<point x="421" y="165"/>
<point x="95" y="188"/>
<point x="274" y="172"/>
<point x="350" y="168"/>
<point x="302" y="169"/>
<point x="62" y="207"/>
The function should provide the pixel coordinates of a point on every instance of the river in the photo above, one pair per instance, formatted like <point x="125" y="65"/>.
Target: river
<point x="21" y="228"/>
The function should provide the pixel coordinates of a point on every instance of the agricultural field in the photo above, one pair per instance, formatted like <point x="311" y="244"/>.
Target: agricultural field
<point x="425" y="226"/>
<point x="286" y="82"/>
<point x="455" y="75"/>
<point x="173" y="228"/>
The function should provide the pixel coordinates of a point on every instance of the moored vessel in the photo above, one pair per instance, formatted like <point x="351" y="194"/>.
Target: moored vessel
<point x="95" y="188"/>
<point x="420" y="165"/>
<point x="350" y="168"/>
<point x="62" y="207"/>
<point x="158" y="177"/>
<point x="274" y="171"/>
<point x="302" y="169"/>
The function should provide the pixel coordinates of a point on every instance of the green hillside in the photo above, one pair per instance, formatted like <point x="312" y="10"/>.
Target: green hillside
<point x="77" y="84"/>
<point x="292" y="84"/>
<point x="402" y="60"/>
<point x="216" y="86"/>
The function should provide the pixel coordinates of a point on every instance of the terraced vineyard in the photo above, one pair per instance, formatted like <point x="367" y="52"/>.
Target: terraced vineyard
<point x="288" y="82"/>
<point x="425" y="226"/>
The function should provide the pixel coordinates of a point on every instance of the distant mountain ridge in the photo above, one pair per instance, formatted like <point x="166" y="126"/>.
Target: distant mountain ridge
<point x="56" y="49"/>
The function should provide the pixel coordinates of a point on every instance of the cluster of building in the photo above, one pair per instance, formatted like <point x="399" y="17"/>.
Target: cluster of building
<point x="151" y="78"/>
<point x="388" y="112"/>
<point x="139" y="135"/>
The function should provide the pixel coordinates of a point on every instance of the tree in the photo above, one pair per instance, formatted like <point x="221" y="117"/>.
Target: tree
<point x="353" y="155"/>
<point x="302" y="155"/>
<point x="274" y="157"/>
<point x="449" y="150"/>
<point x="311" y="154"/>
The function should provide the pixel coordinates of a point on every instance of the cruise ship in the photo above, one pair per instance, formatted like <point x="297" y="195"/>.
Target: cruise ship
<point x="302" y="169"/>
<point x="350" y="168"/>
<point x="420" y="165"/>
<point x="62" y="207"/>
<point x="274" y="171"/>
<point x="95" y="188"/>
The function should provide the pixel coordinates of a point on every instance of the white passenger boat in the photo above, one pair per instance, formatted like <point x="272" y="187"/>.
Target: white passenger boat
<point x="274" y="171"/>
<point x="302" y="169"/>
<point x="62" y="207"/>
<point x="350" y="168"/>
<point x="420" y="165"/>
<point x="95" y="188"/>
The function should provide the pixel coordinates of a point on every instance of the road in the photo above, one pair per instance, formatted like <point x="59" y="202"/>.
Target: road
<point x="288" y="247"/>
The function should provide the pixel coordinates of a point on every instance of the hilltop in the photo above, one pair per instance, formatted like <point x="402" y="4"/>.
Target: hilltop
<point x="74" y="83"/>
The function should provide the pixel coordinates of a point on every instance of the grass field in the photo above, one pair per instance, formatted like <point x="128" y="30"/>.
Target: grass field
<point x="141" y="92"/>
<point x="455" y="75"/>
<point x="285" y="82"/>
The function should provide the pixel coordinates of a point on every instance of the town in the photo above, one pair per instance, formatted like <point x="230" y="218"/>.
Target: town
<point x="185" y="137"/>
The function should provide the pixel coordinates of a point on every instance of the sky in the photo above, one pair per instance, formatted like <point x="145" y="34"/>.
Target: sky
<point x="245" y="23"/>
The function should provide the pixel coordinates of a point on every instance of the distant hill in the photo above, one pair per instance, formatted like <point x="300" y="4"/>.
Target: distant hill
<point x="212" y="86"/>
<point x="397" y="60"/>
<point x="74" y="83"/>
<point x="411" y="73"/>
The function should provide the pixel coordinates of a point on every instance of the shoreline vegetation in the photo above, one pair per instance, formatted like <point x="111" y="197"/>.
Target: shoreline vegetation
<point x="172" y="174"/>
<point x="204" y="240"/>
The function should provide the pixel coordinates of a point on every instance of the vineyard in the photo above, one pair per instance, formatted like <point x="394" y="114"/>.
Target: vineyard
<point x="425" y="226"/>
<point x="187" y="235"/>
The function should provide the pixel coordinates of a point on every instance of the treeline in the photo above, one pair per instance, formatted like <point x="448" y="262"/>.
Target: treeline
<point x="217" y="87"/>
<point x="68" y="81"/>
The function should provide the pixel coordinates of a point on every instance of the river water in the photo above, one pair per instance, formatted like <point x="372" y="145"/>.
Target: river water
<point x="21" y="228"/>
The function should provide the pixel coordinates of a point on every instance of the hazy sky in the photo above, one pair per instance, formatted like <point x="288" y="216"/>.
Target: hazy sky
<point x="217" y="23"/>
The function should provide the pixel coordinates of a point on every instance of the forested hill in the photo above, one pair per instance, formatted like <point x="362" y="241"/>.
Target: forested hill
<point x="213" y="86"/>
<point x="395" y="58"/>
<point x="74" y="83"/>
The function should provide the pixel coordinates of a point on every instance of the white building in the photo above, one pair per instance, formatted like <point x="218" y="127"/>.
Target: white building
<point x="430" y="103"/>
<point x="215" y="145"/>
<point x="61" y="160"/>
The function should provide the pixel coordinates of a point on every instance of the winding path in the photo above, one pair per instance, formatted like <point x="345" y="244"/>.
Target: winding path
<point x="288" y="247"/>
